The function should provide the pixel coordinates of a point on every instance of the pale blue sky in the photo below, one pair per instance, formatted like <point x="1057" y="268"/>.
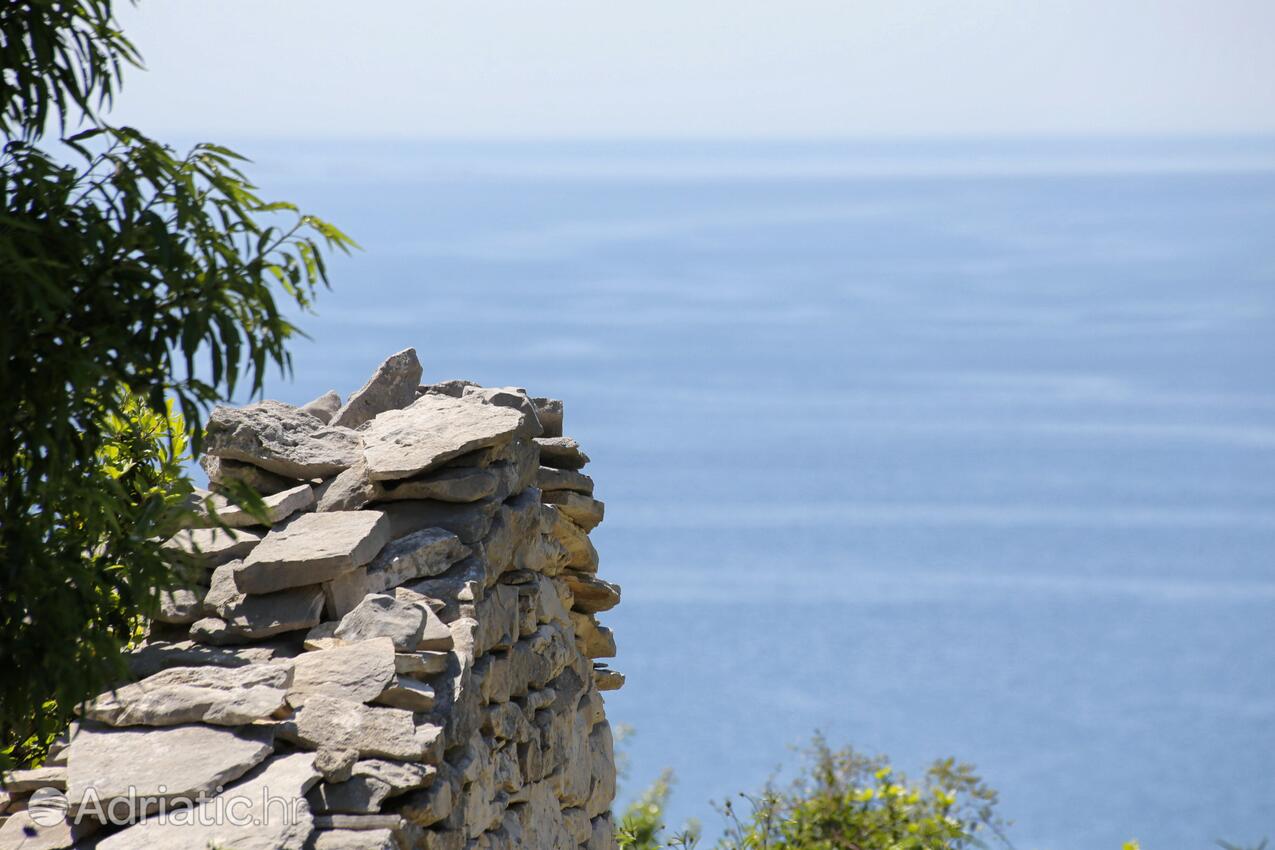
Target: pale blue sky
<point x="508" y="69"/>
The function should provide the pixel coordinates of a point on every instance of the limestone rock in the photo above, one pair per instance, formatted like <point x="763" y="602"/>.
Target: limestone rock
<point x="324" y="407"/>
<point x="279" y="506"/>
<point x="461" y="584"/>
<point x="342" y="594"/>
<point x="391" y="387"/>
<point x="584" y="511"/>
<point x="433" y="804"/>
<point x="607" y="679"/>
<point x="381" y="615"/>
<point x="421" y="554"/>
<point x="549" y="412"/>
<point x="336" y="764"/>
<point x="594" y="640"/>
<point x="433" y="430"/>
<point x="456" y="484"/>
<point x="30" y="779"/>
<point x="313" y="548"/>
<point x="185" y="760"/>
<point x="155" y="656"/>
<point x="21" y="831"/>
<point x="357" y="795"/>
<point x="435" y="636"/>
<point x="211" y="547"/>
<point x="351" y="839"/>
<point x="222" y="471"/>
<point x="270" y="813"/>
<point x="469" y="521"/>
<point x="581" y="554"/>
<point x="561" y="453"/>
<point x="196" y="694"/>
<point x="591" y="593"/>
<point x="420" y="664"/>
<point x="259" y="616"/>
<point x="511" y="397"/>
<point x="373" y="731"/>
<point x="548" y="478"/>
<point x="282" y="439"/>
<point x="406" y="692"/>
<point x="454" y="388"/>
<point x="180" y="606"/>
<point x="401" y="777"/>
<point x="348" y="491"/>
<point x="355" y="671"/>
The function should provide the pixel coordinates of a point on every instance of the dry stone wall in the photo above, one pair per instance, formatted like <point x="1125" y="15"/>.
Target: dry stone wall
<point x="404" y="658"/>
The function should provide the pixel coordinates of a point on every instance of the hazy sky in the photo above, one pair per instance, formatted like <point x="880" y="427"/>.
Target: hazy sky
<point x="676" y="68"/>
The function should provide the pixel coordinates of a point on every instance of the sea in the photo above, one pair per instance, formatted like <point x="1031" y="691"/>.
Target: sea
<point x="936" y="448"/>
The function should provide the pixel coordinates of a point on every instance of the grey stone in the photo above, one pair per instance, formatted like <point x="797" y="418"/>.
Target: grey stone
<point x="381" y="615"/>
<point x="548" y="478"/>
<point x="435" y="636"/>
<point x="373" y="731"/>
<point x="275" y="816"/>
<point x="461" y="584"/>
<point x="455" y="484"/>
<point x="454" y="388"/>
<point x="392" y="386"/>
<point x="583" y="510"/>
<point x="21" y="831"/>
<point x="591" y="594"/>
<point x="514" y="398"/>
<point x="351" y="839"/>
<point x="222" y="471"/>
<point x="434" y="803"/>
<point x="420" y="664"/>
<point x="184" y="760"/>
<point x="180" y="606"/>
<point x="155" y="656"/>
<point x="261" y="615"/>
<point x="279" y="506"/>
<point x="336" y="764"/>
<point x="28" y="780"/>
<point x="470" y="521"/>
<point x="358" y="671"/>
<point x="349" y="491"/>
<point x="356" y="795"/>
<point x="281" y="439"/>
<point x="222" y="697"/>
<point x="433" y="430"/>
<point x="324" y="407"/>
<point x="421" y="554"/>
<point x="549" y="412"/>
<point x="343" y="593"/>
<point x="211" y="547"/>
<point x="406" y="692"/>
<point x="313" y="548"/>
<point x="401" y="777"/>
<point x="561" y="453"/>
<point x="603" y="835"/>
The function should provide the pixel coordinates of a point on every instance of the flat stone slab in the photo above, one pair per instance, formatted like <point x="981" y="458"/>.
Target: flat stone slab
<point x="373" y="731"/>
<point x="549" y="478"/>
<point x="211" y="547"/>
<point x="184" y="760"/>
<point x="155" y="656"/>
<point x="382" y="616"/>
<point x="470" y="522"/>
<point x="350" y="839"/>
<point x="421" y="554"/>
<point x="358" y="671"/>
<point x="261" y="615"/>
<point x="432" y="431"/>
<point x="282" y="439"/>
<point x="222" y="471"/>
<point x="196" y="694"/>
<point x="180" y="606"/>
<point x="456" y="484"/>
<point x="584" y="511"/>
<point x="561" y="453"/>
<point x="269" y="808"/>
<point x="324" y="407"/>
<point x="591" y="593"/>
<point x="391" y="387"/>
<point x="279" y="506"/>
<point x="313" y="548"/>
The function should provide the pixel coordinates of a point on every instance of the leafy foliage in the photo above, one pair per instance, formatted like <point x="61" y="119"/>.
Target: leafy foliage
<point x="843" y="801"/>
<point x="133" y="275"/>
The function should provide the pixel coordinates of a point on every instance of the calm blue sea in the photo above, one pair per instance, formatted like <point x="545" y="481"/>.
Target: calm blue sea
<point x="959" y="449"/>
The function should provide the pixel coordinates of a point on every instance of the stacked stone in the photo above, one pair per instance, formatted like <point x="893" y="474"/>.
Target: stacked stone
<point x="406" y="652"/>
